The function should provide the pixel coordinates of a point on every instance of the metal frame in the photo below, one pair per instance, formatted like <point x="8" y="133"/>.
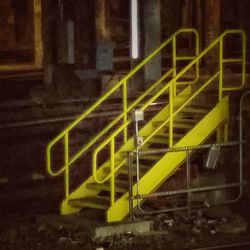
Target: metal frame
<point x="138" y="197"/>
<point x="124" y="116"/>
<point x="170" y="87"/>
<point x="188" y="190"/>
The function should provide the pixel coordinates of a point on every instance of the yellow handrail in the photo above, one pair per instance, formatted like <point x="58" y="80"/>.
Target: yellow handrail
<point x="65" y="134"/>
<point x="171" y="88"/>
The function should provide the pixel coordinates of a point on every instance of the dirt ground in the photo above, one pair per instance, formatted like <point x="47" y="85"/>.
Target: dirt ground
<point x="216" y="226"/>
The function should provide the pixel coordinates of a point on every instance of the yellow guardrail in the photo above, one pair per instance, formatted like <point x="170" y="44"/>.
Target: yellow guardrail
<point x="171" y="87"/>
<point x="64" y="135"/>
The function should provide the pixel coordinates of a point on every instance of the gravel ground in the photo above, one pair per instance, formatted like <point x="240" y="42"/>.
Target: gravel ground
<point x="170" y="231"/>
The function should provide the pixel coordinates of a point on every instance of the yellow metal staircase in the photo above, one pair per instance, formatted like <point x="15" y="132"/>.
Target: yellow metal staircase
<point x="181" y="122"/>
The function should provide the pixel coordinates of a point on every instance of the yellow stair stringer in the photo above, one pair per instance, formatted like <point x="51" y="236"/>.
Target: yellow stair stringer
<point x="171" y="161"/>
<point x="82" y="191"/>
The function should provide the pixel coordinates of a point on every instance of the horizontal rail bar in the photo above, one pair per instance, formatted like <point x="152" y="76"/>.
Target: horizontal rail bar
<point x="232" y="60"/>
<point x="189" y="148"/>
<point x="185" y="58"/>
<point x="185" y="191"/>
<point x="110" y="92"/>
<point x="197" y="58"/>
<point x="181" y="107"/>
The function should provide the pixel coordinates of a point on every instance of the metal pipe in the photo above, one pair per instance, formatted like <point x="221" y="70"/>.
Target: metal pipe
<point x="137" y="162"/>
<point x="190" y="148"/>
<point x="192" y="190"/>
<point x="188" y="182"/>
<point x="186" y="191"/>
<point x="130" y="172"/>
<point x="171" y="193"/>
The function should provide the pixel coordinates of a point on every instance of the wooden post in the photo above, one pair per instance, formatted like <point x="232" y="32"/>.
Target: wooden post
<point x="38" y="42"/>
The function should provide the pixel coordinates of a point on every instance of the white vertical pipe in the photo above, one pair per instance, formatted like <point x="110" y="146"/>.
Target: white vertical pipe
<point x="134" y="29"/>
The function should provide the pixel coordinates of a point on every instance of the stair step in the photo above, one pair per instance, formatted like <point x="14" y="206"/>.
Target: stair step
<point x="177" y="124"/>
<point x="98" y="202"/>
<point x="186" y="120"/>
<point x="120" y="186"/>
<point x="155" y="157"/>
<point x="142" y="168"/>
<point x="166" y="135"/>
<point x="196" y="110"/>
<point x="180" y="98"/>
<point x="159" y="140"/>
<point x="183" y="125"/>
<point x="124" y="170"/>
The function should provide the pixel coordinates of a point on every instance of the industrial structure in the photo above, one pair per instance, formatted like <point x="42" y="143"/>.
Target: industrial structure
<point x="128" y="105"/>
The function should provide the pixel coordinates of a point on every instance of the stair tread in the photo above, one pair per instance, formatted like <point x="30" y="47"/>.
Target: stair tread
<point x="142" y="168"/>
<point x="196" y="109"/>
<point x="99" y="202"/>
<point x="183" y="125"/>
<point x="124" y="170"/>
<point x="120" y="186"/>
<point x="166" y="135"/>
<point x="177" y="124"/>
<point x="186" y="120"/>
<point x="155" y="157"/>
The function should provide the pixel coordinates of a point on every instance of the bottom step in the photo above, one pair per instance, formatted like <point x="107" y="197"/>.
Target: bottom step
<point x="97" y="202"/>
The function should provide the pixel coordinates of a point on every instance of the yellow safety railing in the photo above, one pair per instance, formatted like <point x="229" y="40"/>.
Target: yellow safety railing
<point x="64" y="135"/>
<point x="171" y="88"/>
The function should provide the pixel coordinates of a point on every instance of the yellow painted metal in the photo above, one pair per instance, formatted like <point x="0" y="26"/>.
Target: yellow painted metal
<point x="145" y="132"/>
<point x="166" y="116"/>
<point x="82" y="117"/>
<point x="66" y="158"/>
<point x="169" y="120"/>
<point x="112" y="170"/>
<point x="221" y="71"/>
<point x="179" y="109"/>
<point x="171" y="110"/>
<point x="174" y="57"/>
<point x="171" y="161"/>
<point x="125" y="110"/>
<point x="232" y="60"/>
<point x="121" y="155"/>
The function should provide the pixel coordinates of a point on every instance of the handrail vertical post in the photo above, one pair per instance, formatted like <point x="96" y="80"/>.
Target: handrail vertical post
<point x="171" y="107"/>
<point x="220" y="92"/>
<point x="66" y="162"/>
<point x="174" y="65"/>
<point x="112" y="171"/>
<point x="125" y="110"/>
<point x="221" y="68"/>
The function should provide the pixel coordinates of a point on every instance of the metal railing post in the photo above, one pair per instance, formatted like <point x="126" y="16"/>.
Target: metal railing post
<point x="112" y="170"/>
<point x="130" y="172"/>
<point x="188" y="182"/>
<point x="125" y="110"/>
<point x="66" y="162"/>
<point x="221" y="68"/>
<point x="174" y="62"/>
<point x="171" y="107"/>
